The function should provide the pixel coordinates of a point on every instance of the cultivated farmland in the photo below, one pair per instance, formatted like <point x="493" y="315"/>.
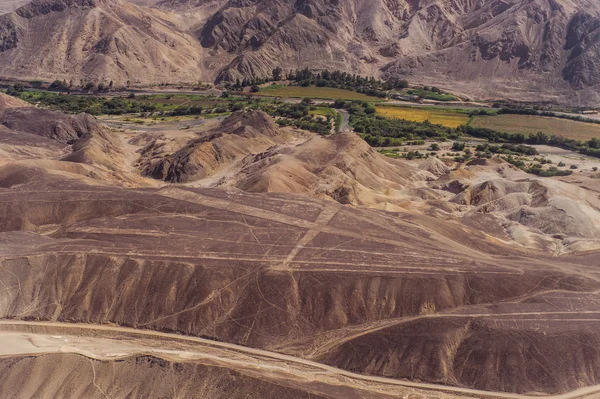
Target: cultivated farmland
<point x="530" y="124"/>
<point x="325" y="93"/>
<point x="449" y="118"/>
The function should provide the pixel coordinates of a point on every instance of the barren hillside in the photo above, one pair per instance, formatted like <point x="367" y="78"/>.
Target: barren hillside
<point x="471" y="46"/>
<point x="7" y="6"/>
<point x="96" y="40"/>
<point x="522" y="49"/>
<point x="244" y="259"/>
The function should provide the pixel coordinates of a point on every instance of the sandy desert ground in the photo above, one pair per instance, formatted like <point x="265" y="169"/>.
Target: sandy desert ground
<point x="239" y="259"/>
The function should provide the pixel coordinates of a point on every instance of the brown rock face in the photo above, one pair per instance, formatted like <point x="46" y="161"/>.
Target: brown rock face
<point x="131" y="45"/>
<point x="541" y="43"/>
<point x="510" y="48"/>
<point x="50" y="124"/>
<point x="239" y="135"/>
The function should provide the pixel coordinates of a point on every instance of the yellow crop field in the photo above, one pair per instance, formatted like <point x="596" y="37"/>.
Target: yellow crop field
<point x="325" y="93"/>
<point x="442" y="117"/>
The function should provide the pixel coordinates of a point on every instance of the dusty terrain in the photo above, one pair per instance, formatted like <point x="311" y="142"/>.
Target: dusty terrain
<point x="522" y="49"/>
<point x="82" y="41"/>
<point x="282" y="264"/>
<point x="7" y="6"/>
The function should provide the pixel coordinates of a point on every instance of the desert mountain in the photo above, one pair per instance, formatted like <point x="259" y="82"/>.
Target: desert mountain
<point x="96" y="40"/>
<point x="230" y="275"/>
<point x="241" y="134"/>
<point x="248" y="151"/>
<point x="483" y="44"/>
<point x="510" y="48"/>
<point x="265" y="291"/>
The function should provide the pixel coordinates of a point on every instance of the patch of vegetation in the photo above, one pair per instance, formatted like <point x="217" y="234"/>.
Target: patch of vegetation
<point x="431" y="93"/>
<point x="305" y="115"/>
<point x="392" y="153"/>
<point x="325" y="79"/>
<point x="15" y="90"/>
<point x="508" y="149"/>
<point x="528" y="123"/>
<point x="444" y="117"/>
<point x="338" y="121"/>
<point x="380" y="131"/>
<point x="590" y="147"/>
<point x="326" y="93"/>
<point x="458" y="146"/>
<point x="537" y="112"/>
<point x="550" y="172"/>
<point x="537" y="169"/>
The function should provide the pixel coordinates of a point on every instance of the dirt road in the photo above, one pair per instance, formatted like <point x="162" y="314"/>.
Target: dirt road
<point x="105" y="342"/>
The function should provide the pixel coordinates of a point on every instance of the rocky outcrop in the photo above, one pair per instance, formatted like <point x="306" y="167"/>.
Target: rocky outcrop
<point x="241" y="134"/>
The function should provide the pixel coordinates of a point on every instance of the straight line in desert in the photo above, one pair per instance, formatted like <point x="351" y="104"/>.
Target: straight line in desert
<point x="274" y="260"/>
<point x="386" y="324"/>
<point x="322" y="221"/>
<point x="293" y="364"/>
<point x="195" y="198"/>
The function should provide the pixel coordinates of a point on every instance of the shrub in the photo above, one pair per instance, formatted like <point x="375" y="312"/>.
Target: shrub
<point x="458" y="146"/>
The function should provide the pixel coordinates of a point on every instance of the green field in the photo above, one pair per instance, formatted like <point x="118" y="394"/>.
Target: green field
<point x="444" y="117"/>
<point x="531" y="124"/>
<point x="324" y="93"/>
<point x="430" y="95"/>
<point x="155" y="103"/>
<point x="324" y="111"/>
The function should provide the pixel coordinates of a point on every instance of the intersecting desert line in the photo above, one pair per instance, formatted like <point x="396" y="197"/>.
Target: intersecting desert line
<point x="246" y="258"/>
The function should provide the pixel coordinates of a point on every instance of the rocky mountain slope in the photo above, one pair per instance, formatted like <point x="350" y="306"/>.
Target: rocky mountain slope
<point x="530" y="49"/>
<point x="516" y="47"/>
<point x="470" y="45"/>
<point x="96" y="40"/>
<point x="7" y="6"/>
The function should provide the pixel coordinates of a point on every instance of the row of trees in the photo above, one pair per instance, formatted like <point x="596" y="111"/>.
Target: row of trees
<point x="325" y="78"/>
<point x="62" y="85"/>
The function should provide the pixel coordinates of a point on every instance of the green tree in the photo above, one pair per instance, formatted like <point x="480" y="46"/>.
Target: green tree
<point x="11" y="91"/>
<point x="458" y="146"/>
<point x="540" y="138"/>
<point x="277" y="72"/>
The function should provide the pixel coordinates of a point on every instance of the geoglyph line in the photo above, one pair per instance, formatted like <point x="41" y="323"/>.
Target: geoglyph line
<point x="291" y="366"/>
